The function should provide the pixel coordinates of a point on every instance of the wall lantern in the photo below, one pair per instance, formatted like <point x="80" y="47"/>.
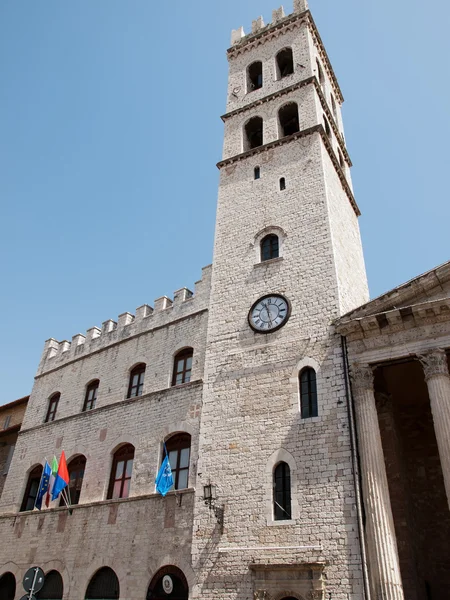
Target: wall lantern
<point x="209" y="497"/>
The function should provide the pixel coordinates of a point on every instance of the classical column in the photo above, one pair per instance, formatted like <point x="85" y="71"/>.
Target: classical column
<point x="437" y="376"/>
<point x="380" y="532"/>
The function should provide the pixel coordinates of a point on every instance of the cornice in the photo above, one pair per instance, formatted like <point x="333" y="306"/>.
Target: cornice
<point x="88" y="414"/>
<point x="288" y="24"/>
<point x="393" y="321"/>
<point x="292" y="88"/>
<point x="290" y="138"/>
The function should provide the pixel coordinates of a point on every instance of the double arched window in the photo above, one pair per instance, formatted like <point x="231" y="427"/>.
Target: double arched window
<point x="270" y="247"/>
<point x="182" y="366"/>
<point x="282" y="510"/>
<point x="308" y="393"/>
<point x="121" y="471"/>
<point x="103" y="585"/>
<point x="136" y="384"/>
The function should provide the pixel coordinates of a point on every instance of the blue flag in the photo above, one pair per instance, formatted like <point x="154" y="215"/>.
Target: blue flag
<point x="164" y="479"/>
<point x="43" y="485"/>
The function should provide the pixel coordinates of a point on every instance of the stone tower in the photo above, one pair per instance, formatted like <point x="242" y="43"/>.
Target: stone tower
<point x="287" y="226"/>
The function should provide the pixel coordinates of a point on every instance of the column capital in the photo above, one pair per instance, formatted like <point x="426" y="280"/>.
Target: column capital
<point x="261" y="595"/>
<point x="434" y="363"/>
<point x="361" y="376"/>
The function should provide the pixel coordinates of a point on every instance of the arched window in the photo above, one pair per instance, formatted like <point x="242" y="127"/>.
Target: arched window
<point x="169" y="582"/>
<point x="254" y="76"/>
<point x="91" y="395"/>
<point x="270" y="247"/>
<point x="103" y="585"/>
<point x="285" y="63"/>
<point x="32" y="488"/>
<point x="7" y="586"/>
<point x="282" y="184"/>
<point x="257" y="172"/>
<point x="308" y="393"/>
<point x="282" y="492"/>
<point x="253" y="133"/>
<point x="320" y="74"/>
<point x="52" y="407"/>
<point x="327" y="127"/>
<point x="76" y="468"/>
<point x="121" y="470"/>
<point x="288" y="117"/>
<point x="179" y="451"/>
<point x="53" y="587"/>
<point x="182" y="367"/>
<point x="136" y="385"/>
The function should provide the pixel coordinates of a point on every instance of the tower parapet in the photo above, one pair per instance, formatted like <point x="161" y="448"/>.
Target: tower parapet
<point x="164" y="312"/>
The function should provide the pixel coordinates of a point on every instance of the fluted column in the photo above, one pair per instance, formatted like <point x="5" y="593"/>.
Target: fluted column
<point x="380" y="532"/>
<point x="435" y="367"/>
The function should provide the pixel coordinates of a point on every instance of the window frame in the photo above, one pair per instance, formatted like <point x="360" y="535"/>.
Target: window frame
<point x="179" y="442"/>
<point x="282" y="511"/>
<point x="285" y="123"/>
<point x="182" y="356"/>
<point x="138" y="370"/>
<point x="277" y="59"/>
<point x="251" y="86"/>
<point x="250" y="134"/>
<point x="52" y="409"/>
<point x="308" y="399"/>
<point x="89" y="403"/>
<point x="274" y="249"/>
<point x="123" y="454"/>
<point x="74" y="465"/>
<point x="34" y="475"/>
<point x="257" y="173"/>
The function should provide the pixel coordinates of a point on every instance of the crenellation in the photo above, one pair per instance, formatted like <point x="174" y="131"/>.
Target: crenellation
<point x="278" y="14"/>
<point x="109" y="326"/>
<point x="124" y="319"/>
<point x="300" y="6"/>
<point x="56" y="353"/>
<point x="162" y="303"/>
<point x="144" y="311"/>
<point x="237" y="35"/>
<point x="257" y="25"/>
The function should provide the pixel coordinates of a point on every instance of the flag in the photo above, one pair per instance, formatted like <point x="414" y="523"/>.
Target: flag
<point x="62" y="477"/>
<point x="54" y="468"/>
<point x="43" y="486"/>
<point x="164" y="479"/>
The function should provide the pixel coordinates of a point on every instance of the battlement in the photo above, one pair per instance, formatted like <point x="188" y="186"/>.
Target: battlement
<point x="238" y="35"/>
<point x="164" y="312"/>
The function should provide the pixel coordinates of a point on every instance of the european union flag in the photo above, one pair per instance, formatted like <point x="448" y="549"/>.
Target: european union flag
<point x="43" y="486"/>
<point x="164" y="479"/>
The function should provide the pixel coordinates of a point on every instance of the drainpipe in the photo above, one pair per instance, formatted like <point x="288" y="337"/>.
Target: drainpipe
<point x="356" y="467"/>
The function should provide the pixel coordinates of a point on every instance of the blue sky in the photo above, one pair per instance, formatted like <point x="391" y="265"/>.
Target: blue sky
<point x="110" y="131"/>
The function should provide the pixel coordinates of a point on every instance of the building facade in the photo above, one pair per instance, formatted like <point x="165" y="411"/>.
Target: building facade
<point x="11" y="417"/>
<point x="286" y="486"/>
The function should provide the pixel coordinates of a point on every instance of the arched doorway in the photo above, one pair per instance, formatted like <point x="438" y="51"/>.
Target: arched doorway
<point x="7" y="586"/>
<point x="169" y="583"/>
<point x="53" y="587"/>
<point x="103" y="585"/>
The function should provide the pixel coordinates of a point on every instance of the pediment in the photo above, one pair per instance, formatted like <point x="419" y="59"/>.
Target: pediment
<point x="431" y="286"/>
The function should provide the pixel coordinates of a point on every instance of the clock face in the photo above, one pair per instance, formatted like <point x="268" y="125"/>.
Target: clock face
<point x="269" y="313"/>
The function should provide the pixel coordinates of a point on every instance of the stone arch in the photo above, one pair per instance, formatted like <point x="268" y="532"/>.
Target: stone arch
<point x="280" y="455"/>
<point x="57" y="565"/>
<point x="289" y="596"/>
<point x="105" y="570"/>
<point x="269" y="230"/>
<point x="178" y="586"/>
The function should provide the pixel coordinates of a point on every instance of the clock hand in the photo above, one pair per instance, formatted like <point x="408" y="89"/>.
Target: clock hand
<point x="268" y="315"/>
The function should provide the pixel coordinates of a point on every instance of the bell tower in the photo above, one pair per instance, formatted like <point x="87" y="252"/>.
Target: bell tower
<point x="288" y="261"/>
